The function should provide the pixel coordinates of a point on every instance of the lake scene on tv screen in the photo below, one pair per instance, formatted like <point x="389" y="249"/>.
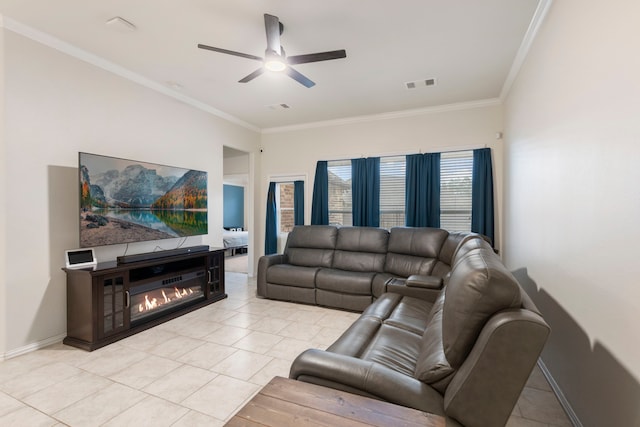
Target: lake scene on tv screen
<point x="125" y="201"/>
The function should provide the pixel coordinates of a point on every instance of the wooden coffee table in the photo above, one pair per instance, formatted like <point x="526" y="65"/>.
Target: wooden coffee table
<point x="284" y="402"/>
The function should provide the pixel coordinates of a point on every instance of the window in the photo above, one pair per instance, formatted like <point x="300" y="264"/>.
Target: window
<point x="455" y="190"/>
<point x="284" y="197"/>
<point x="340" y="212"/>
<point x="392" y="191"/>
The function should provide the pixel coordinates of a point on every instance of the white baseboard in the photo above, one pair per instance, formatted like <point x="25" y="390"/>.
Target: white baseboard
<point x="32" y="347"/>
<point x="573" y="418"/>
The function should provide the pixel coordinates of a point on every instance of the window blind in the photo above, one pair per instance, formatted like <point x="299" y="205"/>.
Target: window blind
<point x="392" y="191"/>
<point x="340" y="211"/>
<point x="455" y="190"/>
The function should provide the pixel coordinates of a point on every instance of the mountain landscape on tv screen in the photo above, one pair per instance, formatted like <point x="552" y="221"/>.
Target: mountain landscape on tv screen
<point x="134" y="203"/>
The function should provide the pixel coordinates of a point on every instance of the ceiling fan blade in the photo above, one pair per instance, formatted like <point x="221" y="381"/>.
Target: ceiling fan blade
<point x="304" y="81"/>
<point x="252" y="76"/>
<point x="272" y="27"/>
<point x="316" y="57"/>
<point x="230" y="52"/>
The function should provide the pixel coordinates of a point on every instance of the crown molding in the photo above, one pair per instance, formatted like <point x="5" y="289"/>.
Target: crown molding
<point x="55" y="43"/>
<point x="492" y="102"/>
<point x="83" y="55"/>
<point x="525" y="46"/>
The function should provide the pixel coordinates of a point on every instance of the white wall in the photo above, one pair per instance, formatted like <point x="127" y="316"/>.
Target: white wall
<point x="296" y="152"/>
<point x="3" y="221"/>
<point x="572" y="203"/>
<point x="238" y="165"/>
<point x="56" y="106"/>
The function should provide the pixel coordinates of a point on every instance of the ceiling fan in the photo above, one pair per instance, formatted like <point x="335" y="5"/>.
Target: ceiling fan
<point x="275" y="58"/>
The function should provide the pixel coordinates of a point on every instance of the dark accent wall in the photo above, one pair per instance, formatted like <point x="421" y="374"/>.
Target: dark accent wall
<point x="233" y="206"/>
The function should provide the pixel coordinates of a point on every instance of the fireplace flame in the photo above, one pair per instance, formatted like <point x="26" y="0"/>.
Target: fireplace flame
<point x="150" y="304"/>
<point x="153" y="301"/>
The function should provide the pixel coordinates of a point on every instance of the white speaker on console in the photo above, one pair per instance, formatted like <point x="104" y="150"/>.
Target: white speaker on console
<point x="80" y="258"/>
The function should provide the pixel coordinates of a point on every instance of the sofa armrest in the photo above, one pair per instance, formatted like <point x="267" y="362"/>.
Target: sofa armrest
<point x="424" y="282"/>
<point x="400" y="286"/>
<point x="264" y="263"/>
<point x="501" y="361"/>
<point x="365" y="378"/>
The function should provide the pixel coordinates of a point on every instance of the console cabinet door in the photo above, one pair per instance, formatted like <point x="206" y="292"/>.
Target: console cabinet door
<point x="113" y="304"/>
<point x="215" y="269"/>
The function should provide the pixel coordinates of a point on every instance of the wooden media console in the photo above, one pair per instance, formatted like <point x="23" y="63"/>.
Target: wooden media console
<point x="113" y="301"/>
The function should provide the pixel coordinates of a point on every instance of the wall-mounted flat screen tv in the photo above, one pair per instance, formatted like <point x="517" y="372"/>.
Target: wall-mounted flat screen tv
<point x="125" y="201"/>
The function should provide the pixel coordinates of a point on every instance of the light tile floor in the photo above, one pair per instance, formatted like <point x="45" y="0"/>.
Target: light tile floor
<point x="198" y="369"/>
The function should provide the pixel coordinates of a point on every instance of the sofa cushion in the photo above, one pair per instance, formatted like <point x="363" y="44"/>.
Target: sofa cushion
<point x="410" y="314"/>
<point x="361" y="249"/>
<point x="479" y="287"/>
<point x="293" y="275"/>
<point x="451" y="243"/>
<point x="432" y="366"/>
<point x="394" y="348"/>
<point x="413" y="250"/>
<point x="422" y="242"/>
<point x="440" y="269"/>
<point x="406" y="265"/>
<point x="348" y="282"/>
<point x="358" y="261"/>
<point x="307" y="257"/>
<point x="363" y="239"/>
<point x="311" y="246"/>
<point x="355" y="340"/>
<point x="316" y="236"/>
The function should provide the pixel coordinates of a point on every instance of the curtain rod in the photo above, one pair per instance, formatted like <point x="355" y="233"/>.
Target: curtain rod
<point x="408" y="154"/>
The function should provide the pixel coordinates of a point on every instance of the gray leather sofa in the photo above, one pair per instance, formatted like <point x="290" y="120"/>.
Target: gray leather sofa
<point x="465" y="355"/>
<point x="349" y="267"/>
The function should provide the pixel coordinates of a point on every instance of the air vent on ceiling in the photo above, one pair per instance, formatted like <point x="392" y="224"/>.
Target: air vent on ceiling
<point x="420" y="83"/>
<point x="278" y="106"/>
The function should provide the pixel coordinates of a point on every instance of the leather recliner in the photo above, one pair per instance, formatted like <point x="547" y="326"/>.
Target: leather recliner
<point x="465" y="356"/>
<point x="349" y="267"/>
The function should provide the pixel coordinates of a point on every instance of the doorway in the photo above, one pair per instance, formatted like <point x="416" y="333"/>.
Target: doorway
<point x="237" y="210"/>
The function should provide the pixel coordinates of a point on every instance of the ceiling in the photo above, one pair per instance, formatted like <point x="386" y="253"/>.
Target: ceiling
<point x="467" y="46"/>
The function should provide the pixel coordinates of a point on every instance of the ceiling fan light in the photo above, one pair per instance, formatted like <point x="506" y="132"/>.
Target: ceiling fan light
<point x="275" y="65"/>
